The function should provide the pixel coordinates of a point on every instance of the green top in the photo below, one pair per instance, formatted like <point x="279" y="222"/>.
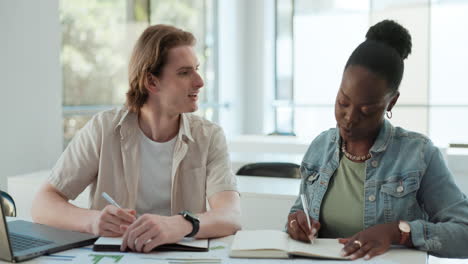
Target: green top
<point x="342" y="209"/>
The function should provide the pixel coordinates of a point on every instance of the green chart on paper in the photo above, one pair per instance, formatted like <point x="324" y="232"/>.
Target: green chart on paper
<point x="98" y="258"/>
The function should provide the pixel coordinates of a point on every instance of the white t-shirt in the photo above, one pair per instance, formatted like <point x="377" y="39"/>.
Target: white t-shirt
<point x="154" y="186"/>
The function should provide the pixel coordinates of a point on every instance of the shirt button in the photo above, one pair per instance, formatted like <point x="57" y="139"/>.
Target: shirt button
<point x="371" y="198"/>
<point x="312" y="177"/>
<point x="374" y="163"/>
<point x="399" y="189"/>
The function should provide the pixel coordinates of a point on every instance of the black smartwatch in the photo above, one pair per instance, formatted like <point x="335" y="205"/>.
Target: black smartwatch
<point x="192" y="219"/>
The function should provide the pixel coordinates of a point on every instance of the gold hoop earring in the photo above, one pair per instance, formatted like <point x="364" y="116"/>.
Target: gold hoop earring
<point x="389" y="114"/>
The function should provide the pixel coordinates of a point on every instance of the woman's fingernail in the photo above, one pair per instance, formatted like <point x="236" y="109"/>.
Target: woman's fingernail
<point x="367" y="257"/>
<point x="314" y="231"/>
<point x="342" y="253"/>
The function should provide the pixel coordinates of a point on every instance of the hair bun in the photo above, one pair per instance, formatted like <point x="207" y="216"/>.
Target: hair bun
<point x="392" y="34"/>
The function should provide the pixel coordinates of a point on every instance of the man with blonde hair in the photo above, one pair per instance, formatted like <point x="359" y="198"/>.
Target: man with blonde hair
<point x="152" y="156"/>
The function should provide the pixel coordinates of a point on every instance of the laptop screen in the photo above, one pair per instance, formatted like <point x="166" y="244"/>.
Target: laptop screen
<point x="5" y="249"/>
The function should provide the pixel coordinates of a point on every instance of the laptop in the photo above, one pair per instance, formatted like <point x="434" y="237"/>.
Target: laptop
<point x="22" y="240"/>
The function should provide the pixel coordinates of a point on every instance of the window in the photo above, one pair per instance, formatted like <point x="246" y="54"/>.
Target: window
<point x="448" y="95"/>
<point x="315" y="65"/>
<point x="323" y="35"/>
<point x="97" y="40"/>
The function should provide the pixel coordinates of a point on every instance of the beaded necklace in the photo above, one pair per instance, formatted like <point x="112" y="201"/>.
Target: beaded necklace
<point x="353" y="157"/>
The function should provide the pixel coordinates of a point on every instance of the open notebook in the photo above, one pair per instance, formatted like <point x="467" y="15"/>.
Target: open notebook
<point x="187" y="244"/>
<point x="278" y="244"/>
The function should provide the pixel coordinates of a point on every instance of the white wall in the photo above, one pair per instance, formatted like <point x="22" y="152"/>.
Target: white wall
<point x="30" y="87"/>
<point x="246" y="62"/>
<point x="258" y="65"/>
<point x="230" y="72"/>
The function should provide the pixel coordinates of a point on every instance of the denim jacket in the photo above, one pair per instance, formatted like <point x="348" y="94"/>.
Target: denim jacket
<point x="406" y="179"/>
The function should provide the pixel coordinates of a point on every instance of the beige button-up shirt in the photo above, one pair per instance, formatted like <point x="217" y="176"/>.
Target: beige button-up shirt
<point x="105" y="154"/>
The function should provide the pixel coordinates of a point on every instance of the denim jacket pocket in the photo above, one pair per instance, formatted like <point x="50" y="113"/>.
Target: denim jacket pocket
<point x="399" y="197"/>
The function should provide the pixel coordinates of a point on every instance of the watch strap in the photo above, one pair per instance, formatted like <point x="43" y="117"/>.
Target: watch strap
<point x="404" y="237"/>
<point x="405" y="232"/>
<point x="193" y="220"/>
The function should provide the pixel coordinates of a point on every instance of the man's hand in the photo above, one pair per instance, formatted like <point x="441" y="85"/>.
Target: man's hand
<point x="298" y="228"/>
<point x="371" y="242"/>
<point x="150" y="231"/>
<point x="108" y="222"/>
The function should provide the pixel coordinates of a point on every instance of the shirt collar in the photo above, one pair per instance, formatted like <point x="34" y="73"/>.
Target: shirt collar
<point x="184" y="124"/>
<point x="123" y="117"/>
<point x="184" y="127"/>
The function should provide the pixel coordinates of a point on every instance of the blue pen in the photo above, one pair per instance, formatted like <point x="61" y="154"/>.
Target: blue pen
<point x="110" y="200"/>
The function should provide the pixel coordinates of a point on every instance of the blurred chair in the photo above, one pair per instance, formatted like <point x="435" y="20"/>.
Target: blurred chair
<point x="271" y="169"/>
<point x="8" y="204"/>
<point x="276" y="133"/>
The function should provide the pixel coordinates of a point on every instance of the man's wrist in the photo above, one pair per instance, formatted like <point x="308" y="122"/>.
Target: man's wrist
<point x="193" y="220"/>
<point x="89" y="226"/>
<point x="186" y="225"/>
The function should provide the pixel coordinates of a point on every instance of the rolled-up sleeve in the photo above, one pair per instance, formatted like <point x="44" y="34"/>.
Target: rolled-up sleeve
<point x="77" y="167"/>
<point x="302" y="190"/>
<point x="218" y="169"/>
<point x="445" y="232"/>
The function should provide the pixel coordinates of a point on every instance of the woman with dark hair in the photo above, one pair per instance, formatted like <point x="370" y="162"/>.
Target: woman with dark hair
<point x="371" y="184"/>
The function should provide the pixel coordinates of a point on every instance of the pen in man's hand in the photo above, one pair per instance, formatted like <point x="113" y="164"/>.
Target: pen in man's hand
<point x="110" y="200"/>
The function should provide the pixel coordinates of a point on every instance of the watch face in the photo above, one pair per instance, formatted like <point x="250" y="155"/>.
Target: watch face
<point x="189" y="214"/>
<point x="404" y="226"/>
<point x="192" y="215"/>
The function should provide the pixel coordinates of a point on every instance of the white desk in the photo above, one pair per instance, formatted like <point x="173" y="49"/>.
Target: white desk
<point x="265" y="202"/>
<point x="219" y="249"/>
<point x="268" y="185"/>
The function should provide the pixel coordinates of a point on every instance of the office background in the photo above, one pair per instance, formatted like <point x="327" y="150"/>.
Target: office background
<point x="269" y="67"/>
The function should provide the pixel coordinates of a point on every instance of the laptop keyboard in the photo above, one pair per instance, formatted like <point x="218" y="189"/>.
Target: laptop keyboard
<point x="21" y="242"/>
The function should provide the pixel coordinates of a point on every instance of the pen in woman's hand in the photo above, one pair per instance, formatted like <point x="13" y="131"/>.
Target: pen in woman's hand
<point x="306" y="211"/>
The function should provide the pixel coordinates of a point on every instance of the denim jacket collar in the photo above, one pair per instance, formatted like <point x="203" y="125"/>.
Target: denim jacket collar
<point x="383" y="139"/>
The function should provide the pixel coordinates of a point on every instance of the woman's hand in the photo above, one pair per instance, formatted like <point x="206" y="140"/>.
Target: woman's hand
<point x="108" y="221"/>
<point x="371" y="242"/>
<point x="298" y="228"/>
<point x="150" y="231"/>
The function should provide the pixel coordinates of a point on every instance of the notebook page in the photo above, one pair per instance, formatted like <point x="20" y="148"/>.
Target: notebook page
<point x="192" y="242"/>
<point x="260" y="239"/>
<point x="322" y="248"/>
